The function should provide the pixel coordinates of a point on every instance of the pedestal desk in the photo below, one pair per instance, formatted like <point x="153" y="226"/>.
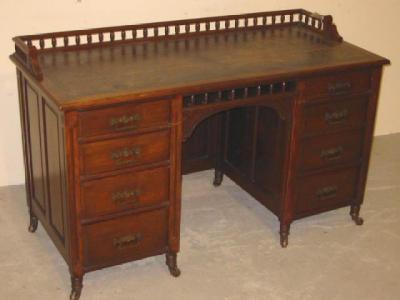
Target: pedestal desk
<point x="112" y="117"/>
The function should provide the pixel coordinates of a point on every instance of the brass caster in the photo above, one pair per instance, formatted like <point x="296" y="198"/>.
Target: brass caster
<point x="218" y="177"/>
<point x="355" y="215"/>
<point x="284" y="241"/>
<point x="171" y="262"/>
<point x="33" y="224"/>
<point x="76" y="287"/>
<point x="75" y="295"/>
<point x="284" y="234"/>
<point x="358" y="220"/>
<point x="174" y="271"/>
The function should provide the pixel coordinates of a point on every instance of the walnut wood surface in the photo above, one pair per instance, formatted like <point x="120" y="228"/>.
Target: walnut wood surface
<point x="319" y="193"/>
<point x="329" y="116"/>
<point x="188" y="64"/>
<point x="84" y="76"/>
<point x="124" y="192"/>
<point x="115" y="154"/>
<point x="133" y="117"/>
<point x="324" y="151"/>
<point x="124" y="239"/>
<point x="276" y="101"/>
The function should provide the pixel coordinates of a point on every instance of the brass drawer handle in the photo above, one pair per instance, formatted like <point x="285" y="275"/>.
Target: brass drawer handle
<point x="327" y="192"/>
<point x="126" y="155"/>
<point x="130" y="240"/>
<point x="337" y="117"/>
<point x="125" y="122"/>
<point x="332" y="153"/>
<point x="339" y="88"/>
<point x="126" y="197"/>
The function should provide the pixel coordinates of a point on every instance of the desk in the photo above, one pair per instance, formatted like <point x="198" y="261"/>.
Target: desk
<point x="111" y="117"/>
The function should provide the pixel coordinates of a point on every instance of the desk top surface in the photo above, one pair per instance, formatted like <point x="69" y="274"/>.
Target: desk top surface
<point x="170" y="66"/>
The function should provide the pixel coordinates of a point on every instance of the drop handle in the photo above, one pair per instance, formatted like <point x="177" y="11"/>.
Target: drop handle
<point x="126" y="241"/>
<point x="327" y="192"/>
<point x="336" y="117"/>
<point x="126" y="155"/>
<point x="127" y="196"/>
<point x="339" y="88"/>
<point x="124" y="122"/>
<point x="332" y="153"/>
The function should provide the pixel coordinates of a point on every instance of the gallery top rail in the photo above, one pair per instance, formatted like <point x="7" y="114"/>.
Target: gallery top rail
<point x="27" y="47"/>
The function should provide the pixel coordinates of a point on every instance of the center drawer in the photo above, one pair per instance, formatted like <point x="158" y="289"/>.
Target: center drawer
<point x="125" y="152"/>
<point x="124" y="239"/>
<point x="118" y="193"/>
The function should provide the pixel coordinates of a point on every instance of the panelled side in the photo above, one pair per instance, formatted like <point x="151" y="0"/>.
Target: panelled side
<point x="44" y="156"/>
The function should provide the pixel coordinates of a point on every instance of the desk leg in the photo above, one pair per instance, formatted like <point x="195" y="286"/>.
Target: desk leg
<point x="171" y="261"/>
<point x="355" y="214"/>
<point x="284" y="233"/>
<point x="33" y="222"/>
<point x="76" y="287"/>
<point x="218" y="177"/>
<point x="293" y="125"/>
<point x="220" y="151"/>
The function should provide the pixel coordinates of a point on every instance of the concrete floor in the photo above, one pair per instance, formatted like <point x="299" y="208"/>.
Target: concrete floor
<point x="230" y="249"/>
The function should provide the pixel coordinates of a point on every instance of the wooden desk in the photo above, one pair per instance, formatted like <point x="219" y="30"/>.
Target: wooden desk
<point x="111" y="117"/>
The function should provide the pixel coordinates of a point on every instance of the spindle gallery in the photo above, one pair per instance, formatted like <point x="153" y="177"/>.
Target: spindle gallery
<point x="112" y="117"/>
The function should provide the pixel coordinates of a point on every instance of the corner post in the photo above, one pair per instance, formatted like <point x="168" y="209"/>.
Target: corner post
<point x="74" y="229"/>
<point x="376" y="75"/>
<point x="290" y="162"/>
<point x="174" y="219"/>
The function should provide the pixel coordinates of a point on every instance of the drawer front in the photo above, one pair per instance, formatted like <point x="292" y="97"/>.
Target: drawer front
<point x="126" y="191"/>
<point x="337" y="84"/>
<point x="325" y="191"/>
<point x="328" y="150"/>
<point x="124" y="239"/>
<point x="327" y="117"/>
<point x="124" y="118"/>
<point x="125" y="152"/>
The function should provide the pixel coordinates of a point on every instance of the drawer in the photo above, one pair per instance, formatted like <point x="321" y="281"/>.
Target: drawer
<point x="332" y="149"/>
<point x="124" y="239"/>
<point x="320" y="118"/>
<point x="124" y="118"/>
<point x="337" y="84"/>
<point x="132" y="190"/>
<point x="125" y="152"/>
<point x="325" y="191"/>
